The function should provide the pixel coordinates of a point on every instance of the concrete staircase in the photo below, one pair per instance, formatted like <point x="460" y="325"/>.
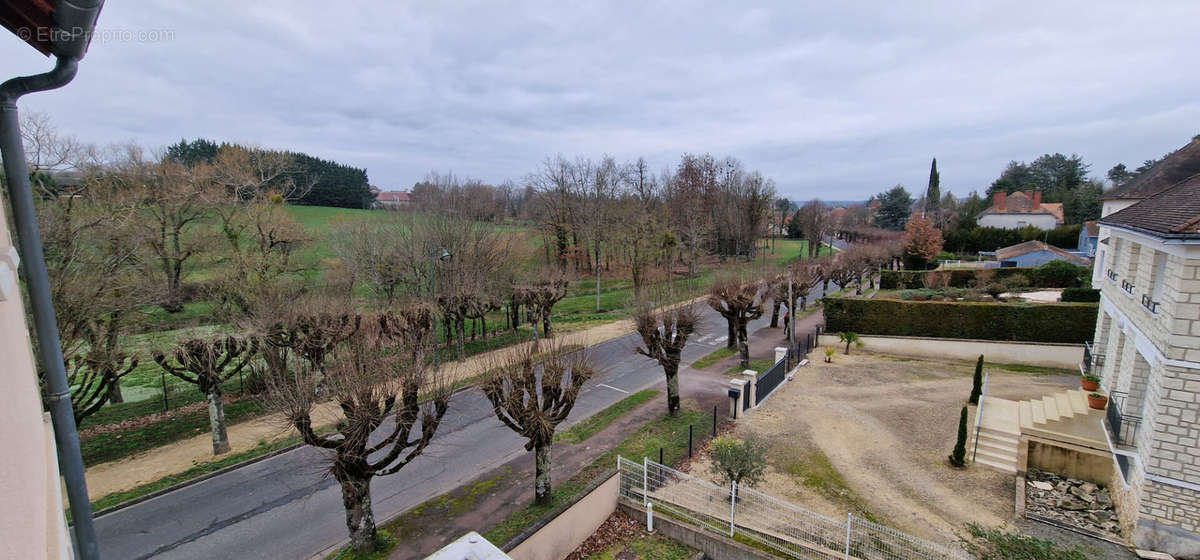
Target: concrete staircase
<point x="1062" y="416"/>
<point x="999" y="434"/>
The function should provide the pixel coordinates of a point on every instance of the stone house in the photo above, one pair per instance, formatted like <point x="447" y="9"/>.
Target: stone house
<point x="1147" y="352"/>
<point x="1020" y="209"/>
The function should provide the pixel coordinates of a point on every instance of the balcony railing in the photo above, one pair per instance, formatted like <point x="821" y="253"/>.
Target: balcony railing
<point x="1149" y="303"/>
<point x="1092" y="362"/>
<point x="1123" y="427"/>
<point x="1112" y="275"/>
<point x="1127" y="286"/>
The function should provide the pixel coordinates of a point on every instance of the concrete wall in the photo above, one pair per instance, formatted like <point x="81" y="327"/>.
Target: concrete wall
<point x="714" y="546"/>
<point x="1072" y="462"/>
<point x="1018" y="220"/>
<point x="32" y="526"/>
<point x="565" y="533"/>
<point x="1026" y="353"/>
<point x="1036" y="258"/>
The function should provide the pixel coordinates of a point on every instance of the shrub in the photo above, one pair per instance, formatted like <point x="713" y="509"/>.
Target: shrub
<point x="958" y="457"/>
<point x="1053" y="322"/>
<point x="1057" y="274"/>
<point x="829" y="352"/>
<point x="977" y="382"/>
<point x="743" y="461"/>
<point x="996" y="544"/>
<point x="1086" y="295"/>
<point x="936" y="280"/>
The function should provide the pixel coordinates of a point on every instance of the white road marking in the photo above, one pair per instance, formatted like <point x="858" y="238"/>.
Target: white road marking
<point x="613" y="388"/>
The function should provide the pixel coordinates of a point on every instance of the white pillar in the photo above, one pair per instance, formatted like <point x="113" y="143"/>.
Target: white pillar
<point x="751" y="386"/>
<point x="780" y="353"/>
<point x="735" y="404"/>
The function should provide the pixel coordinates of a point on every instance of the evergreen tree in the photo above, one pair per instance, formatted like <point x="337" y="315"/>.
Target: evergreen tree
<point x="895" y="207"/>
<point x="977" y="386"/>
<point x="959" y="457"/>
<point x="933" y="194"/>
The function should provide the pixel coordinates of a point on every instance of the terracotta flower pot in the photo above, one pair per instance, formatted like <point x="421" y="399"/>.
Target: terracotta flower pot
<point x="1097" y="402"/>
<point x="1089" y="385"/>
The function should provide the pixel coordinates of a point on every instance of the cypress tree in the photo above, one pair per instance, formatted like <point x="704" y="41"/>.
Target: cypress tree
<point x="933" y="194"/>
<point x="977" y="387"/>
<point x="959" y="457"/>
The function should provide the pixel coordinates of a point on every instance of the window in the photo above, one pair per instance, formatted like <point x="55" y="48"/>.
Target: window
<point x="1158" y="278"/>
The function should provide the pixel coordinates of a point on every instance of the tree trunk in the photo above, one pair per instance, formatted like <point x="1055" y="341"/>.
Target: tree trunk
<point x="461" y="327"/>
<point x="775" y="314"/>
<point x="541" y="481"/>
<point x="547" y="332"/>
<point x="743" y="344"/>
<point x="360" y="518"/>
<point x="114" y="392"/>
<point x="216" y="420"/>
<point x="731" y="342"/>
<point x="672" y="389"/>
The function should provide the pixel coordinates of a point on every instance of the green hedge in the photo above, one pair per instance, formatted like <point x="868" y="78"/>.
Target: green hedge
<point x="1056" y="274"/>
<point x="1082" y="295"/>
<point x="1057" y="322"/>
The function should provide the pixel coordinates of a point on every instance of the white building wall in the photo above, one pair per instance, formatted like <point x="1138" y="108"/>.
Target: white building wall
<point x="1018" y="220"/>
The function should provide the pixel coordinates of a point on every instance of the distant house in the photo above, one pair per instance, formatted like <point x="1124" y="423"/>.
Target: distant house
<point x="1035" y="253"/>
<point x="1020" y="209"/>
<point x="1181" y="164"/>
<point x="392" y="199"/>
<point x="1089" y="237"/>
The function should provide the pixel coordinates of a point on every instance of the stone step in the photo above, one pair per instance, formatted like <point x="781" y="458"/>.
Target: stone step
<point x="1008" y="440"/>
<point x="1051" y="407"/>
<point x="998" y="465"/>
<point x="994" y="449"/>
<point x="1063" y="400"/>
<point x="1026" y="412"/>
<point x="1037" y="408"/>
<point x="994" y="456"/>
<point x="1078" y="401"/>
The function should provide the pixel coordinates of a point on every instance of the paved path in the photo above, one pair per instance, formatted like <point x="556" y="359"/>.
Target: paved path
<point x="286" y="507"/>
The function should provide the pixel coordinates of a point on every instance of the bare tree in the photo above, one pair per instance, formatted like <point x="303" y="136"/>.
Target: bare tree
<point x="394" y="396"/>
<point x="48" y="151"/>
<point x="739" y="301"/>
<point x="94" y="374"/>
<point x="540" y="295"/>
<point x="664" y="334"/>
<point x="815" y="224"/>
<point x="532" y="394"/>
<point x="173" y="200"/>
<point x="844" y="270"/>
<point x="207" y="364"/>
<point x="313" y="330"/>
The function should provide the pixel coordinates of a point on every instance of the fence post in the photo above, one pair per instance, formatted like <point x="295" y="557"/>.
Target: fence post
<point x="649" y="517"/>
<point x="689" y="441"/>
<point x="849" y="524"/>
<point x="660" y="455"/>
<point x="714" y="420"/>
<point x="732" y="504"/>
<point x="645" y="479"/>
<point x="163" y="376"/>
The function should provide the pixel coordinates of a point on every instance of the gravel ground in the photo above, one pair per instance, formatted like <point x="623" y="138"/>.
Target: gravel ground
<point x="870" y="434"/>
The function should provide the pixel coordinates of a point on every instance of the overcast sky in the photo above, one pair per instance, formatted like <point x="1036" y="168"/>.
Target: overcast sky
<point x="837" y="101"/>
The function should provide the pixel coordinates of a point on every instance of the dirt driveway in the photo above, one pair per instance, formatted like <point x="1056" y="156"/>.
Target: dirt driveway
<point x="869" y="434"/>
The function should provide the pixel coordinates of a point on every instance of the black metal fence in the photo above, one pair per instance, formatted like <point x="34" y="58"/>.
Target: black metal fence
<point x="1122" y="427"/>
<point x="1091" y="360"/>
<point x="769" y="380"/>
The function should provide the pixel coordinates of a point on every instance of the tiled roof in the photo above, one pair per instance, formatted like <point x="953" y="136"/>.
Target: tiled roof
<point x="392" y="196"/>
<point x="1092" y="227"/>
<point x="1022" y="203"/>
<point x="1173" y="212"/>
<point x="1034" y="246"/>
<point x="1180" y="165"/>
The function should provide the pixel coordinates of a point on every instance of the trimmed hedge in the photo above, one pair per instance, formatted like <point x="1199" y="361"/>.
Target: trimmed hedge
<point x="1056" y="322"/>
<point x="1081" y="295"/>
<point x="1057" y="274"/>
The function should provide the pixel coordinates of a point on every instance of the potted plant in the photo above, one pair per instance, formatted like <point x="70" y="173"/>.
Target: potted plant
<point x="1097" y="401"/>
<point x="829" y="352"/>
<point x="1090" y="383"/>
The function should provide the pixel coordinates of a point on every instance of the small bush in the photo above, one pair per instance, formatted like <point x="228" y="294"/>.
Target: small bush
<point x="743" y="461"/>
<point x="958" y="457"/>
<point x="1080" y="295"/>
<point x="996" y="544"/>
<point x="977" y="382"/>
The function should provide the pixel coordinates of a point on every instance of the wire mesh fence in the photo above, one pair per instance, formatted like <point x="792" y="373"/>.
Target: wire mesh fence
<point x="784" y="528"/>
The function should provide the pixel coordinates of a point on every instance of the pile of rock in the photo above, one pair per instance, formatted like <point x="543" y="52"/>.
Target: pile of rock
<point x="1070" y="501"/>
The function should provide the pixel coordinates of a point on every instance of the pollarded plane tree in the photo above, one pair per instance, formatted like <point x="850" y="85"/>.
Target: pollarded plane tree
<point x="739" y="301"/>
<point x="313" y="334"/>
<point x="804" y="276"/>
<point x="843" y="271"/>
<point x="540" y="296"/>
<point x="532" y="393"/>
<point x="664" y="334"/>
<point x="94" y="373"/>
<point x="207" y="364"/>
<point x="390" y="402"/>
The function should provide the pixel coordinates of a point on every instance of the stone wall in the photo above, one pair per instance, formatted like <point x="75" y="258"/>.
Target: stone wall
<point x="1170" y="520"/>
<point x="558" y="538"/>
<point x="714" y="546"/>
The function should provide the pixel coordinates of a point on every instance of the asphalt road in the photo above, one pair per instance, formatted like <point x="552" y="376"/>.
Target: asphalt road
<point x="285" y="507"/>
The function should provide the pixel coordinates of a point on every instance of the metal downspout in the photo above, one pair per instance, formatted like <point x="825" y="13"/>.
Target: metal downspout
<point x="29" y="240"/>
